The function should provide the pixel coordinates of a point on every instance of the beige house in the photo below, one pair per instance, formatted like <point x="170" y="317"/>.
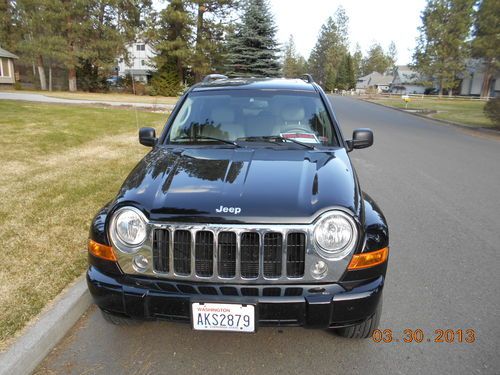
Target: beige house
<point x="7" y="75"/>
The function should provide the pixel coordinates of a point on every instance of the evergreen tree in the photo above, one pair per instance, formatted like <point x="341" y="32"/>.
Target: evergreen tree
<point x="8" y="32"/>
<point x="329" y="50"/>
<point x="377" y="60"/>
<point x="173" y="42"/>
<point x="212" y="24"/>
<point x="346" y="79"/>
<point x="357" y="62"/>
<point x="392" y="54"/>
<point x="486" y="42"/>
<point x="253" y="49"/>
<point x="293" y="63"/>
<point x="442" y="45"/>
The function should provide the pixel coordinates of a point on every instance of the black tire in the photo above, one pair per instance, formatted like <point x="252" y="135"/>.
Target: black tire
<point x="118" y="320"/>
<point x="362" y="330"/>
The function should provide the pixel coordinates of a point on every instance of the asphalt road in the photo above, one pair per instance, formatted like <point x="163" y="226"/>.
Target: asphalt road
<point x="440" y="190"/>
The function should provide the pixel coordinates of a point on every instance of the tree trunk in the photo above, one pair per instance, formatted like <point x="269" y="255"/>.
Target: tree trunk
<point x="199" y="36"/>
<point x="72" y="79"/>
<point x="485" y="88"/>
<point x="50" y="77"/>
<point x="440" y="88"/>
<point x="41" y="72"/>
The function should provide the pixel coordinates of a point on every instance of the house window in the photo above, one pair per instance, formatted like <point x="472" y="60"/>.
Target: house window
<point x="141" y="47"/>
<point x="4" y="68"/>
<point x="143" y="62"/>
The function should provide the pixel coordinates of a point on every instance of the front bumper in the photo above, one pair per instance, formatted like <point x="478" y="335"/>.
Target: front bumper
<point x="308" y="305"/>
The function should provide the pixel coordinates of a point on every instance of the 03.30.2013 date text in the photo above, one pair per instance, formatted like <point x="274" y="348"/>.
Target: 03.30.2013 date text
<point x="410" y="335"/>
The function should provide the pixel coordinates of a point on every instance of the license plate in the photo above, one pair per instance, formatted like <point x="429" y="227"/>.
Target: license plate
<point x="223" y="317"/>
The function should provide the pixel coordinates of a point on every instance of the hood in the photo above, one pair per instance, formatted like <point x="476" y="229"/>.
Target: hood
<point x="240" y="185"/>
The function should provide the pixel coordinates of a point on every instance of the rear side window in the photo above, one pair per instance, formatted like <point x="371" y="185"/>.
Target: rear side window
<point x="236" y="114"/>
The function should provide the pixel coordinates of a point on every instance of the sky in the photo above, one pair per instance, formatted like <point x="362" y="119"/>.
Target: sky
<point x="370" y="21"/>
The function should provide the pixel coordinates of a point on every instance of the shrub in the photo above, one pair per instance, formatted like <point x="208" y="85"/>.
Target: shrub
<point x="492" y="110"/>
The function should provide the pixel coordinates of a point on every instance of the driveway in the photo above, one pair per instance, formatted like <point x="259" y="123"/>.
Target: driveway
<point x="439" y="188"/>
<point x="49" y="99"/>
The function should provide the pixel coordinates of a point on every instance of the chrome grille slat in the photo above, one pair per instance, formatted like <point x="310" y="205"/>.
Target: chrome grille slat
<point x="225" y="254"/>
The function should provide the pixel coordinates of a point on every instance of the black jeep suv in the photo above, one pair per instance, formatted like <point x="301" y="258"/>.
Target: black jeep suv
<point x="247" y="212"/>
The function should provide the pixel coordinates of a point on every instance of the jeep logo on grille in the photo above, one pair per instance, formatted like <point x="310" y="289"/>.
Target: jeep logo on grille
<point x="231" y="210"/>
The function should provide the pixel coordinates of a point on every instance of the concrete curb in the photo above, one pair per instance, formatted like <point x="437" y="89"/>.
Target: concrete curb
<point x="29" y="350"/>
<point x="492" y="132"/>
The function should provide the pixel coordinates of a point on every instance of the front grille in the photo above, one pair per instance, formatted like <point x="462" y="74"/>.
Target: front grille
<point x="182" y="252"/>
<point x="295" y="254"/>
<point x="229" y="254"/>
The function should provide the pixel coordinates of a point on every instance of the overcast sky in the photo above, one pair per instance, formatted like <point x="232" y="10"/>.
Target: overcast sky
<point x="369" y="21"/>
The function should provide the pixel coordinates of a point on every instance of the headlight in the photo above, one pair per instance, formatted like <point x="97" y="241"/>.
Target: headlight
<point x="335" y="234"/>
<point x="128" y="229"/>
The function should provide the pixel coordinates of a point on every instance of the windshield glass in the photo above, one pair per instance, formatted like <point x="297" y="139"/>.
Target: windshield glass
<point x="236" y="115"/>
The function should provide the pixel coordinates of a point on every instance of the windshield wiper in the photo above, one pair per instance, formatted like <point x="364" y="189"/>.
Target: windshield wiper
<point x="274" y="138"/>
<point x="207" y="137"/>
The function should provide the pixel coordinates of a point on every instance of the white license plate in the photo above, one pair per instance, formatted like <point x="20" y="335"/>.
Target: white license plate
<point x="223" y="317"/>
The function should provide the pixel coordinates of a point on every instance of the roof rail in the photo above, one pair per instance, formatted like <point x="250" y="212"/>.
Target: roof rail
<point x="307" y="77"/>
<point x="213" y="77"/>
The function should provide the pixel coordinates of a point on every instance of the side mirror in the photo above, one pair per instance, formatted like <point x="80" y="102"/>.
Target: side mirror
<point x="147" y="136"/>
<point x="361" y="138"/>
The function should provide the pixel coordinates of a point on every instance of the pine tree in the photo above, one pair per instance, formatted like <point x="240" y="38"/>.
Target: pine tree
<point x="329" y="50"/>
<point x="357" y="62"/>
<point x="486" y="42"/>
<point x="8" y="32"/>
<point x="442" y="45"/>
<point x="173" y="42"/>
<point x="212" y="24"/>
<point x="253" y="49"/>
<point x="377" y="60"/>
<point x="293" y="63"/>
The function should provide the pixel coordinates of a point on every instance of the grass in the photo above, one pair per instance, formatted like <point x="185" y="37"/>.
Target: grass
<point x="111" y="97"/>
<point x="463" y="111"/>
<point x="60" y="164"/>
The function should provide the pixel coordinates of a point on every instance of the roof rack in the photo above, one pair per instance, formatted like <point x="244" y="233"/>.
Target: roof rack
<point x="307" y="77"/>
<point x="213" y="77"/>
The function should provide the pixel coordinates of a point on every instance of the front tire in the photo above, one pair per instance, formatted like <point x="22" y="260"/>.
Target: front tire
<point x="118" y="320"/>
<point x="362" y="330"/>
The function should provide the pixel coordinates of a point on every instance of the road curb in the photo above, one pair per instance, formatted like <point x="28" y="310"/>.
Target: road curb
<point x="28" y="351"/>
<point x="487" y="131"/>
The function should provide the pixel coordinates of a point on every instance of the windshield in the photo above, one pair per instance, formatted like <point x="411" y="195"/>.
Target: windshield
<point x="246" y="115"/>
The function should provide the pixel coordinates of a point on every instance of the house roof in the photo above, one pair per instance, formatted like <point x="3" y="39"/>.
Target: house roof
<point x="404" y="74"/>
<point x="374" y="79"/>
<point x="4" y="53"/>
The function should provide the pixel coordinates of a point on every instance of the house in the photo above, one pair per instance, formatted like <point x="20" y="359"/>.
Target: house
<point x="374" y="80"/>
<point x="472" y="79"/>
<point x="7" y="75"/>
<point x="140" y="61"/>
<point x="407" y="81"/>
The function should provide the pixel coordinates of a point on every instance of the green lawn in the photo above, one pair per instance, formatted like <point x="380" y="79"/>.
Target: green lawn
<point x="59" y="165"/>
<point x="463" y="111"/>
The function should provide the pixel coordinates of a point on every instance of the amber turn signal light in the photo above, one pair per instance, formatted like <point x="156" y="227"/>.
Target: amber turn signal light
<point x="366" y="260"/>
<point x="101" y="251"/>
